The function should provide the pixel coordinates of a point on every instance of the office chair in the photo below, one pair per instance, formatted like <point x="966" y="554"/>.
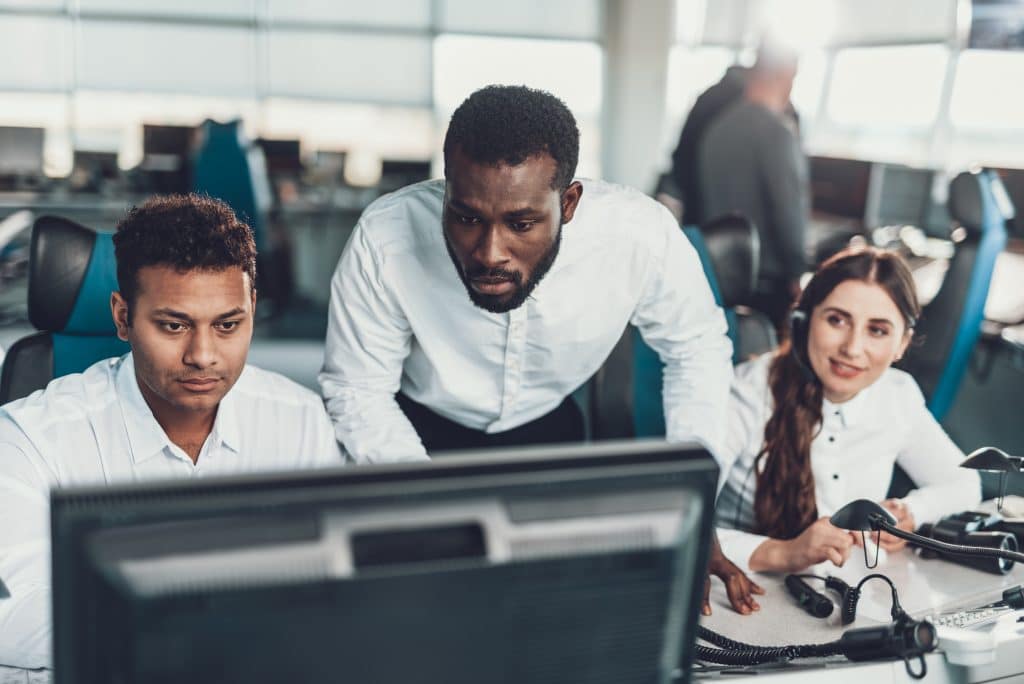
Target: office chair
<point x="951" y="323"/>
<point x="728" y="247"/>
<point x="71" y="274"/>
<point x="228" y="167"/>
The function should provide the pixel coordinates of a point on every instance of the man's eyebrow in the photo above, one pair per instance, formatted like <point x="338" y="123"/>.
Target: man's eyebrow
<point x="231" y="314"/>
<point x="459" y="205"/>
<point x="525" y="211"/>
<point x="171" y="313"/>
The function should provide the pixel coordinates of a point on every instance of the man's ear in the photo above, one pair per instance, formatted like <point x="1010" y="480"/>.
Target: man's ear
<point x="119" y="311"/>
<point x="570" y="200"/>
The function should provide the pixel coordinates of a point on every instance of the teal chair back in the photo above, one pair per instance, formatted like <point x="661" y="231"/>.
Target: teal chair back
<point x="72" y="273"/>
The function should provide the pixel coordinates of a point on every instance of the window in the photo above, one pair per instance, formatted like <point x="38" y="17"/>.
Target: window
<point x="987" y="93"/>
<point x="571" y="70"/>
<point x="887" y="87"/>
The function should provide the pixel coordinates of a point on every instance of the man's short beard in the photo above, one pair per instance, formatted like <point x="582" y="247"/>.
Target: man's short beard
<point x="499" y="303"/>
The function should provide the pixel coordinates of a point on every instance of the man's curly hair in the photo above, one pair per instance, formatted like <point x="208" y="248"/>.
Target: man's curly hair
<point x="508" y="124"/>
<point x="185" y="232"/>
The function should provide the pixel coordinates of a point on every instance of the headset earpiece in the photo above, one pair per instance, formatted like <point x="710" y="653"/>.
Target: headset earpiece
<point x="798" y="342"/>
<point x="797" y="323"/>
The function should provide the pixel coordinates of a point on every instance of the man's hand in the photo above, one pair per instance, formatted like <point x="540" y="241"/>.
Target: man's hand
<point x="738" y="586"/>
<point x="904" y="521"/>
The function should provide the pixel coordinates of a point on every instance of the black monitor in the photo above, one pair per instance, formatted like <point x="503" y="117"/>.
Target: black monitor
<point x="21" y="151"/>
<point x="900" y="195"/>
<point x="283" y="156"/>
<point x="839" y="187"/>
<point x="166" y="140"/>
<point x="397" y="173"/>
<point x="103" y="164"/>
<point x="576" y="564"/>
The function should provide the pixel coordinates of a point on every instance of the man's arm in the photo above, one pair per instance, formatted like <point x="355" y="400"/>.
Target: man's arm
<point x="25" y="630"/>
<point x="368" y="340"/>
<point x="677" y="316"/>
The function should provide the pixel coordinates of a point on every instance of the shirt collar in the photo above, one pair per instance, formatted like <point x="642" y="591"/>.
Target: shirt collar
<point x="146" y="438"/>
<point x="849" y="412"/>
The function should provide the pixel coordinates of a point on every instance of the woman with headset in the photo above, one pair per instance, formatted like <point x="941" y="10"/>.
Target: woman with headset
<point x="821" y="422"/>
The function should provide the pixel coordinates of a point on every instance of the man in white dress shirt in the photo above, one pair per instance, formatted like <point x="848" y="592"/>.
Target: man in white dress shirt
<point x="182" y="404"/>
<point x="554" y="269"/>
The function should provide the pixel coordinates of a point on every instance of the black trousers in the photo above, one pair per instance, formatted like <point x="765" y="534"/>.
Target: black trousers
<point x="564" y="424"/>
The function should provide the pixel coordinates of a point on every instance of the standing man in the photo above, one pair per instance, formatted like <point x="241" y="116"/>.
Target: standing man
<point x="706" y="108"/>
<point x="750" y="161"/>
<point x="465" y="311"/>
<point x="182" y="404"/>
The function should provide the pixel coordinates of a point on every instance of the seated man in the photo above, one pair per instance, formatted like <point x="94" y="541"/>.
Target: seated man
<point x="464" y="312"/>
<point x="181" y="404"/>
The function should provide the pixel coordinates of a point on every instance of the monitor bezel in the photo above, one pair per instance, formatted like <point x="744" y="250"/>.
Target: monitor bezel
<point x="77" y="511"/>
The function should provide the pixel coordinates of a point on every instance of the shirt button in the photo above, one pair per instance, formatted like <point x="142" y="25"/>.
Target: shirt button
<point x="835" y="476"/>
<point x="831" y="438"/>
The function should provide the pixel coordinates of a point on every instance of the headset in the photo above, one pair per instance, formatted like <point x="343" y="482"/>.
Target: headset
<point x="818" y="605"/>
<point x="799" y="322"/>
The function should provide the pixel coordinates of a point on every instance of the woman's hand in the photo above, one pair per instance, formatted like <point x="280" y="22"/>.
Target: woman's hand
<point x="904" y="521"/>
<point x="821" y="541"/>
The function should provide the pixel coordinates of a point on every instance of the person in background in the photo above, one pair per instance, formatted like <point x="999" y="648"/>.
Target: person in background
<point x="821" y="422"/>
<point x="750" y="161"/>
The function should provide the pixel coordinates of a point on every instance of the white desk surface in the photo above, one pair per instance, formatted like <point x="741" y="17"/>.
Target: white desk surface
<point x="925" y="587"/>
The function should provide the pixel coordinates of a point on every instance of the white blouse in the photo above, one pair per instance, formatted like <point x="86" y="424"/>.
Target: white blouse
<point x="852" y="455"/>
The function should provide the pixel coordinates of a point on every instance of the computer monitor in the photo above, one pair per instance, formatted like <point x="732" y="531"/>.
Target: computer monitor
<point x="21" y="151"/>
<point x="165" y="163"/>
<point x="283" y="156"/>
<point x="899" y="195"/>
<point x="397" y="173"/>
<point x="576" y="563"/>
<point x="166" y="140"/>
<point x="839" y="187"/>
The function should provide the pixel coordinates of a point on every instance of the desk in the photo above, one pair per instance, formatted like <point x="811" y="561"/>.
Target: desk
<point x="925" y="587"/>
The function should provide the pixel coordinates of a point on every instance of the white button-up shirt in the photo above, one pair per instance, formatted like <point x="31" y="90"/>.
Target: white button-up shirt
<point x="400" y="317"/>
<point x="96" y="428"/>
<point x="852" y="455"/>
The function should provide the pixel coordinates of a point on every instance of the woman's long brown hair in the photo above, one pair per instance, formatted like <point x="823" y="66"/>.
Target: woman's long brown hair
<point x="784" y="502"/>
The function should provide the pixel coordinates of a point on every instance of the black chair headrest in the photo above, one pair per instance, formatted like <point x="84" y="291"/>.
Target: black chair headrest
<point x="734" y="246"/>
<point x="967" y="199"/>
<point x="63" y="290"/>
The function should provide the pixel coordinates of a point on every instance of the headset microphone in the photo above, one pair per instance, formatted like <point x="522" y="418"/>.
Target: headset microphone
<point x="814" y="603"/>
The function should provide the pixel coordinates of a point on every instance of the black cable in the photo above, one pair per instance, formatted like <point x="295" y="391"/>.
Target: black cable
<point x="956" y="549"/>
<point x="903" y="639"/>
<point x="732" y="652"/>
<point x="896" y="610"/>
